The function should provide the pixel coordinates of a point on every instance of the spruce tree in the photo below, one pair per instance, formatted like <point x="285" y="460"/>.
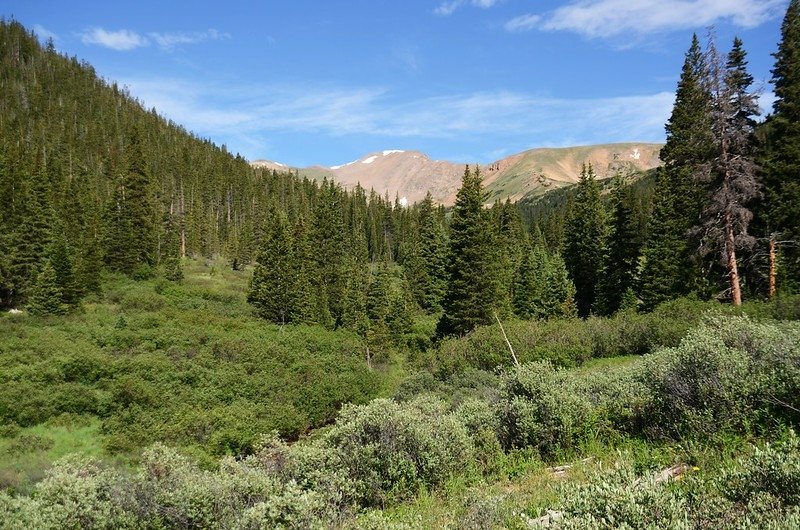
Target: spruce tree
<point x="31" y="237"/>
<point x="560" y="294"/>
<point x="330" y="255"/>
<point x="379" y="307"/>
<point x="668" y="269"/>
<point x="585" y="239"/>
<point x="622" y="251"/>
<point x="45" y="295"/>
<point x="426" y="264"/>
<point x="130" y="231"/>
<point x="779" y="212"/>
<point x="59" y="257"/>
<point x="471" y="296"/>
<point x="273" y="285"/>
<point x="530" y="284"/>
<point x="305" y="273"/>
<point x="510" y="245"/>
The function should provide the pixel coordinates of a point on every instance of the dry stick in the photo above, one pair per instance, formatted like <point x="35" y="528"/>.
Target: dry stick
<point x="513" y="355"/>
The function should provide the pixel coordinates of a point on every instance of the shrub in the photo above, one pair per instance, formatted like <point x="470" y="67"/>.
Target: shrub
<point x="772" y="470"/>
<point x="391" y="450"/>
<point x="141" y="300"/>
<point x="539" y="410"/>
<point x="80" y="493"/>
<point x="722" y="373"/>
<point x="621" y="500"/>
<point x="29" y="443"/>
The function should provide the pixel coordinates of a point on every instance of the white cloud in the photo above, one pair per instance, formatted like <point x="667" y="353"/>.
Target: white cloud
<point x="609" y="18"/>
<point x="168" y="41"/>
<point x="43" y="33"/>
<point x="253" y="114"/>
<point x="125" y="39"/>
<point x="522" y="23"/>
<point x="121" y="40"/>
<point x="448" y="7"/>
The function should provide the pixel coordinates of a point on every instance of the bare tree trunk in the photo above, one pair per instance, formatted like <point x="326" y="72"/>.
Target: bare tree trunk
<point x="733" y="268"/>
<point x="772" y="259"/>
<point x="513" y="355"/>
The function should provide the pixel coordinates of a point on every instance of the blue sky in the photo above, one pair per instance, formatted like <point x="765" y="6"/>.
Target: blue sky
<point x="325" y="82"/>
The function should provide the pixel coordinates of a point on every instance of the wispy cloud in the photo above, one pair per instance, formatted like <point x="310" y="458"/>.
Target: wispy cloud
<point x="168" y="41"/>
<point x="408" y="57"/>
<point x="252" y="114"/>
<point x="610" y="18"/>
<point x="523" y="22"/>
<point x="450" y="6"/>
<point x="121" y="40"/>
<point x="44" y="33"/>
<point x="126" y="39"/>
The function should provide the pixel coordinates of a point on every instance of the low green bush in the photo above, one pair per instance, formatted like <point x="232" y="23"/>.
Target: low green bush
<point x="390" y="450"/>
<point x="538" y="409"/>
<point x="724" y="375"/>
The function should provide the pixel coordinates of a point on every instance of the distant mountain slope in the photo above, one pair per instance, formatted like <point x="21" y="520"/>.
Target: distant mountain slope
<point x="411" y="174"/>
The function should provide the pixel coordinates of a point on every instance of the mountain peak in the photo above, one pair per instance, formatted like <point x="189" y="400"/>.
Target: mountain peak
<point x="410" y="175"/>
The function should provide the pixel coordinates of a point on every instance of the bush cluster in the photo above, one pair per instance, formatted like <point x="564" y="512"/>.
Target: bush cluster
<point x="571" y="342"/>
<point x="758" y="491"/>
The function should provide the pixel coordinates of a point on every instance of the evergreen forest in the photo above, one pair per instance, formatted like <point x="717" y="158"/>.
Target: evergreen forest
<point x="188" y="341"/>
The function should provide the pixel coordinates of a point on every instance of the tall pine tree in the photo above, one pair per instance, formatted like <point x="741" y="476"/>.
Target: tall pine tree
<point x="779" y="212"/>
<point x="668" y="269"/>
<point x="622" y="251"/>
<point x="273" y="287"/>
<point x="426" y="265"/>
<point x="471" y="296"/>
<point x="585" y="240"/>
<point x="130" y="228"/>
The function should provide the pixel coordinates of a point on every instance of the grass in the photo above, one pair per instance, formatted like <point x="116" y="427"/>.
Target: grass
<point x="26" y="456"/>
<point x="603" y="363"/>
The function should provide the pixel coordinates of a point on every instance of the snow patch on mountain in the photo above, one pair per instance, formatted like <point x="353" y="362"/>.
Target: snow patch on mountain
<point x="369" y="160"/>
<point x="392" y="151"/>
<point x="347" y="164"/>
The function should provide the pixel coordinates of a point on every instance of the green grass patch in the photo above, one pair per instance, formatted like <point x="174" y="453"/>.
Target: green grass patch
<point x="26" y="454"/>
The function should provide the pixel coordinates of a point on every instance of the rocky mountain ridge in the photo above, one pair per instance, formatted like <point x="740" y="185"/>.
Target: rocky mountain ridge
<point x="409" y="175"/>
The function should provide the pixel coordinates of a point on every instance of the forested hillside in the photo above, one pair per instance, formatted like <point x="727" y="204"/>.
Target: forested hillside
<point x="91" y="179"/>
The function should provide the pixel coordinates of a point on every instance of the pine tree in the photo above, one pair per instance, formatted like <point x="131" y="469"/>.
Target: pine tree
<point x="623" y="248"/>
<point x="46" y="297"/>
<point x="779" y="212"/>
<point x="273" y="285"/>
<point x="59" y="257"/>
<point x="668" y="269"/>
<point x="510" y="245"/>
<point x="32" y="235"/>
<point x="560" y="296"/>
<point x="732" y="172"/>
<point x="426" y="265"/>
<point x="130" y="231"/>
<point x="471" y="296"/>
<point x="530" y="284"/>
<point x="585" y="240"/>
<point x="328" y="241"/>
<point x="305" y="272"/>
